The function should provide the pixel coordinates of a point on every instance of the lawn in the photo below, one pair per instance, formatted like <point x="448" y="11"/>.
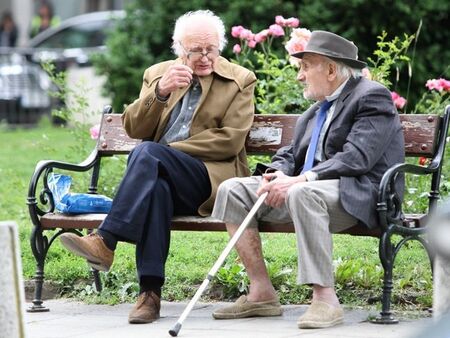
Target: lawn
<point x="358" y="270"/>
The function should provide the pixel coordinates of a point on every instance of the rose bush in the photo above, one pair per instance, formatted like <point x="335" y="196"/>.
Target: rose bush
<point x="277" y="90"/>
<point x="435" y="99"/>
<point x="399" y="101"/>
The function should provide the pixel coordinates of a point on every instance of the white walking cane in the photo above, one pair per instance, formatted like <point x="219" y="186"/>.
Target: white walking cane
<point x="176" y="329"/>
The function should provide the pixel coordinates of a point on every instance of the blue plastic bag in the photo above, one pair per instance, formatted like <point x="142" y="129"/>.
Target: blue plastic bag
<point x="74" y="203"/>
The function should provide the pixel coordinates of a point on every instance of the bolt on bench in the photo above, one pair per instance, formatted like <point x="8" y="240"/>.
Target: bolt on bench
<point x="425" y="136"/>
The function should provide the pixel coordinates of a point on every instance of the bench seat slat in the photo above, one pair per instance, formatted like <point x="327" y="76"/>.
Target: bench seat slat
<point x="194" y="223"/>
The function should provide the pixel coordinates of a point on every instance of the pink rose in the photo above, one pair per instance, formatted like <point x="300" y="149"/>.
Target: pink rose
<point x="237" y="49"/>
<point x="95" y="131"/>
<point x="261" y="36"/>
<point x="251" y="36"/>
<point x="292" y="22"/>
<point x="276" y="30"/>
<point x="445" y="84"/>
<point x="399" y="101"/>
<point x="251" y="43"/>
<point x="279" y="20"/>
<point x="438" y="84"/>
<point x="245" y="34"/>
<point x="295" y="46"/>
<point x="236" y="31"/>
<point x="297" y="42"/>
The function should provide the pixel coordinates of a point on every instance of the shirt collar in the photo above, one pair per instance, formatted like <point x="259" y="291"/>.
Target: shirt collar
<point x="337" y="92"/>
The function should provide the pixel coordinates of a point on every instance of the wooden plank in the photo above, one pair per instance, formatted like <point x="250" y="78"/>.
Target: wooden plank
<point x="421" y="134"/>
<point x="270" y="132"/>
<point x="84" y="221"/>
<point x="113" y="139"/>
<point x="197" y="223"/>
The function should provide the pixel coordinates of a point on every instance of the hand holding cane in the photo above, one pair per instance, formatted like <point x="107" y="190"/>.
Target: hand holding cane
<point x="177" y="327"/>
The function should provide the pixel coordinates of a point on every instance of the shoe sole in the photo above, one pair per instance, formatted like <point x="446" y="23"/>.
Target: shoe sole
<point x="138" y="320"/>
<point x="73" y="247"/>
<point x="260" y="312"/>
<point x="319" y="325"/>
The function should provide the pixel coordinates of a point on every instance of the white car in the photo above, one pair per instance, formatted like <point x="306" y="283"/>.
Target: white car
<point x="23" y="90"/>
<point x="74" y="39"/>
<point x="24" y="85"/>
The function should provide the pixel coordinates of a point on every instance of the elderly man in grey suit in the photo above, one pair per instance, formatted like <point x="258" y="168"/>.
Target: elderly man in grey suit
<point x="325" y="181"/>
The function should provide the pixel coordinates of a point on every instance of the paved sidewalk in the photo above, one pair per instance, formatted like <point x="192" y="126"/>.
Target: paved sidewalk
<point x="69" y="318"/>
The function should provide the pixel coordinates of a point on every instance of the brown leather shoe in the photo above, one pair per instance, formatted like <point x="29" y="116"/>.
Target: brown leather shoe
<point x="146" y="309"/>
<point x="91" y="247"/>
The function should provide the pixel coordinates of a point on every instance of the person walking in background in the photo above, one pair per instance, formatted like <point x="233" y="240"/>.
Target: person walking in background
<point x="44" y="19"/>
<point x="8" y="31"/>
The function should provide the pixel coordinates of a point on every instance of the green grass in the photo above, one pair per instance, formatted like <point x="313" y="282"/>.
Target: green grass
<point x="192" y="254"/>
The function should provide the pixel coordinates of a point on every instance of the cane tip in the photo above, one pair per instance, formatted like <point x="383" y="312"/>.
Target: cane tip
<point x="174" y="331"/>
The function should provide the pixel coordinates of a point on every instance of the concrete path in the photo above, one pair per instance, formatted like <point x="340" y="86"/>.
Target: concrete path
<point x="69" y="318"/>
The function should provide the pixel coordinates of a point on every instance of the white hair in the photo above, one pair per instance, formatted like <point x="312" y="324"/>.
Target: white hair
<point x="343" y="70"/>
<point x="182" y="26"/>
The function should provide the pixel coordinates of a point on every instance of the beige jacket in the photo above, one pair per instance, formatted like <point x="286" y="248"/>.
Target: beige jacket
<point x="220" y="123"/>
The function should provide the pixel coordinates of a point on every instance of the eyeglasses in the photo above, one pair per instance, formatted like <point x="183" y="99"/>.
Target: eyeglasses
<point x="196" y="55"/>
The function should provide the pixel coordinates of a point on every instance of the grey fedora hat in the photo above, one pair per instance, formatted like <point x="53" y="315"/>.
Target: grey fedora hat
<point x="333" y="46"/>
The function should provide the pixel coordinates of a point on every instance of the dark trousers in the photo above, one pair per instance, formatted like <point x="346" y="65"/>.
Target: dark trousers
<point x="159" y="182"/>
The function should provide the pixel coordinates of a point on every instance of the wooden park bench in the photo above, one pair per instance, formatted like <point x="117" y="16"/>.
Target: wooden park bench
<point x="425" y="136"/>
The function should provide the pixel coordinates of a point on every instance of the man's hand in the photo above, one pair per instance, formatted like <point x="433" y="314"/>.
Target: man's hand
<point x="277" y="185"/>
<point x="176" y="77"/>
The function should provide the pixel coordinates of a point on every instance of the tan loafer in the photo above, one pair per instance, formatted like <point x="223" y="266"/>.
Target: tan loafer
<point x="320" y="315"/>
<point x="91" y="247"/>
<point x="242" y="308"/>
<point x="146" y="309"/>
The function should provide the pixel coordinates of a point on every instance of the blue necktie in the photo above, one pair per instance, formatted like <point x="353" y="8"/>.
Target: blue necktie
<point x="309" y="162"/>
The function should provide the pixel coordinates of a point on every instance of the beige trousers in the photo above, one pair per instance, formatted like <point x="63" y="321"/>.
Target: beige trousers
<point x="313" y="207"/>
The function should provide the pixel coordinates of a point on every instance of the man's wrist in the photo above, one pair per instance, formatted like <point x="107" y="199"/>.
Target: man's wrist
<point x="160" y="97"/>
<point x="311" y="176"/>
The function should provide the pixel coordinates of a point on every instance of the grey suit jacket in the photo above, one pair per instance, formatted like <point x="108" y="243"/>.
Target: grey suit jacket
<point x="363" y="140"/>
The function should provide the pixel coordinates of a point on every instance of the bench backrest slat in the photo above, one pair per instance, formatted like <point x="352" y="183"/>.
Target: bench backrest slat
<point x="270" y="132"/>
<point x="113" y="139"/>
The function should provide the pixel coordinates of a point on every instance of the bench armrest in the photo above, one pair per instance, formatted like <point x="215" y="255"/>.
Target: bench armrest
<point x="389" y="204"/>
<point x="45" y="196"/>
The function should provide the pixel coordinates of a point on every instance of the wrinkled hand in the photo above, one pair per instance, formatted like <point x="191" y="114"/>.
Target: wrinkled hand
<point x="176" y="77"/>
<point x="277" y="185"/>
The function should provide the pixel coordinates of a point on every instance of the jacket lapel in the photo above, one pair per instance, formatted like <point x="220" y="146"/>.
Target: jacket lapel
<point x="165" y="115"/>
<point x="173" y="100"/>
<point x="340" y="103"/>
<point x="205" y="83"/>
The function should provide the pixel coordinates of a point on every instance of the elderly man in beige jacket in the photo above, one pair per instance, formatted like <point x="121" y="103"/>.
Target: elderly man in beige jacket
<point x="193" y="114"/>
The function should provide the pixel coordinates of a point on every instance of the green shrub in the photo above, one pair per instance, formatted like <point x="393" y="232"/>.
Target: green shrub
<point x="144" y="36"/>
